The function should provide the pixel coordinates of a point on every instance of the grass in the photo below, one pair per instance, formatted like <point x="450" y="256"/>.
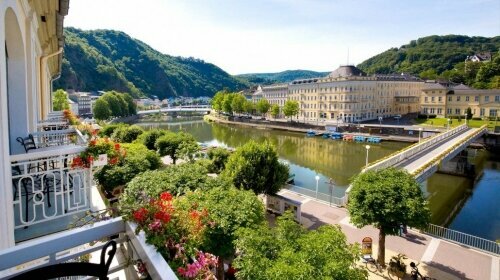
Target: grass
<point x="441" y="122"/>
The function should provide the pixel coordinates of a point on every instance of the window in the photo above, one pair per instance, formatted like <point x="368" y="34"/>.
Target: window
<point x="476" y="98"/>
<point x="497" y="98"/>
<point x="449" y="111"/>
<point x="426" y="99"/>
<point x="458" y="98"/>
<point x="440" y="99"/>
<point x="449" y="98"/>
<point x="440" y="111"/>
<point x="457" y="111"/>
<point x="432" y="99"/>
<point x="493" y="112"/>
<point x="486" y="99"/>
<point x="467" y="98"/>
<point x="481" y="112"/>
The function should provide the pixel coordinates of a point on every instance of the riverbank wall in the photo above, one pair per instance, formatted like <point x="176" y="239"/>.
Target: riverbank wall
<point x="127" y="119"/>
<point x="386" y="133"/>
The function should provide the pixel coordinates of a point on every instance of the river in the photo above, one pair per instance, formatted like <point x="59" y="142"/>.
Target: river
<point x="455" y="202"/>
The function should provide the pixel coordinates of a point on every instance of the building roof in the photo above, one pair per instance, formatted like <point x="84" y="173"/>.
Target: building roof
<point x="346" y="71"/>
<point x="433" y="86"/>
<point x="461" y="87"/>
<point x="396" y="77"/>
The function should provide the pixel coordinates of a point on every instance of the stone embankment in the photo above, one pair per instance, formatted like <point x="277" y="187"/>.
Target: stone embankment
<point x="303" y="128"/>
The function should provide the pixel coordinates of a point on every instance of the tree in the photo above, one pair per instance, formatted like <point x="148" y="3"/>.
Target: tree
<point x="289" y="251"/>
<point x="114" y="103"/>
<point x="275" y="110"/>
<point x="176" y="145"/>
<point x="429" y="74"/>
<point x="131" y="106"/>
<point x="227" y="103"/>
<point x="218" y="100"/>
<point x="248" y="107"/>
<point x="469" y="113"/>
<point x="219" y="157"/>
<point x="387" y="199"/>
<point x="60" y="100"/>
<point x="238" y="103"/>
<point x="149" y="138"/>
<point x="263" y="106"/>
<point x="101" y="109"/>
<point x="291" y="108"/>
<point x="227" y="217"/>
<point x="256" y="167"/>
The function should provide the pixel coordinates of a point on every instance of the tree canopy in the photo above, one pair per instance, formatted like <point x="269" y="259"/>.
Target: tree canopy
<point x="291" y="108"/>
<point x="256" y="167"/>
<point x="275" y="110"/>
<point x="263" y="106"/>
<point x="176" y="145"/>
<point x="60" y="100"/>
<point x="387" y="199"/>
<point x="289" y="251"/>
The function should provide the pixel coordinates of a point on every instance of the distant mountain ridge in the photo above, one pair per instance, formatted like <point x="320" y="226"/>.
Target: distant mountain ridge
<point x="280" y="77"/>
<point x="112" y="60"/>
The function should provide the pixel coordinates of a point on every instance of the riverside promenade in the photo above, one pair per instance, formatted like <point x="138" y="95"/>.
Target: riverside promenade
<point x="438" y="258"/>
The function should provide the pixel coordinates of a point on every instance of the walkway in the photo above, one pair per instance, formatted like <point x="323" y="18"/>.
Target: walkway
<point x="439" y="259"/>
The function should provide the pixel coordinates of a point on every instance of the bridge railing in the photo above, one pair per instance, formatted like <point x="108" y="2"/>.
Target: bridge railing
<point x="323" y="197"/>
<point x="430" y="166"/>
<point x="410" y="151"/>
<point x="464" y="239"/>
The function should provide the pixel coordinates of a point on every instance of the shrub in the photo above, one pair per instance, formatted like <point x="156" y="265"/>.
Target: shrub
<point x="176" y="179"/>
<point x="138" y="159"/>
<point x="149" y="138"/>
<point x="177" y="145"/>
<point x="127" y="134"/>
<point x="108" y="130"/>
<point x="219" y="158"/>
<point x="426" y="116"/>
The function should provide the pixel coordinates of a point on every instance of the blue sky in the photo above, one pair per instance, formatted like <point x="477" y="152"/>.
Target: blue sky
<point x="275" y="35"/>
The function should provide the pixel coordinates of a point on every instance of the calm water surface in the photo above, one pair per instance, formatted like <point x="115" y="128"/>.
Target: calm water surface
<point x="453" y="200"/>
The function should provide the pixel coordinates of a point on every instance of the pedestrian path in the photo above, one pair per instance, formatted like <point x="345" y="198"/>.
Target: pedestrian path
<point x="440" y="259"/>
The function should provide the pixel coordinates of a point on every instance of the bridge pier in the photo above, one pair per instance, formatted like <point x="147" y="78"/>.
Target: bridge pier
<point x="461" y="165"/>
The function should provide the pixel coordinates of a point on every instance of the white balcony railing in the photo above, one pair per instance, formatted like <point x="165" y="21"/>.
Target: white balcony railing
<point x="70" y="244"/>
<point x="58" y="137"/>
<point x="45" y="187"/>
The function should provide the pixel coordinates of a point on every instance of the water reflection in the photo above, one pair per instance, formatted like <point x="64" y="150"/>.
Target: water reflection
<point x="308" y="156"/>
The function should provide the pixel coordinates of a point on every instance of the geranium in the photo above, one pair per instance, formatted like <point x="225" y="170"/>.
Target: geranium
<point x="178" y="232"/>
<point x="98" y="147"/>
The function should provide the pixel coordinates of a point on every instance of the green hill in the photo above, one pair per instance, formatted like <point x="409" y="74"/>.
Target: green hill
<point x="112" y="60"/>
<point x="280" y="77"/>
<point x="433" y="52"/>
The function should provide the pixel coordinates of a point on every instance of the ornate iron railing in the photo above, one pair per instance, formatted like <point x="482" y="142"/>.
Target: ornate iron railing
<point x="45" y="187"/>
<point x="58" y="137"/>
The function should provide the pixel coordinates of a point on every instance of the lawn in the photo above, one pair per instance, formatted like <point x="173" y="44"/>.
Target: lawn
<point x="441" y="122"/>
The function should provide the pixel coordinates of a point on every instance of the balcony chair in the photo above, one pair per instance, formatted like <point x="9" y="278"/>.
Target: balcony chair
<point x="74" y="268"/>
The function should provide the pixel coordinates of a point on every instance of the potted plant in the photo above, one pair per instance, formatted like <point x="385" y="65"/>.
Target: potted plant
<point x="397" y="267"/>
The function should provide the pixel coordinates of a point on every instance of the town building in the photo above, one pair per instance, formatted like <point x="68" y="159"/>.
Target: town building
<point x="276" y="93"/>
<point x="350" y="95"/>
<point x="454" y="100"/>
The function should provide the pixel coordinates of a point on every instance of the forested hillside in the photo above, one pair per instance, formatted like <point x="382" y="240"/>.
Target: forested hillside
<point x="280" y="77"/>
<point x="112" y="60"/>
<point x="441" y="57"/>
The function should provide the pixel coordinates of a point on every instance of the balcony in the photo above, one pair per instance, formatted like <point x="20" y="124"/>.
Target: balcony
<point x="48" y="194"/>
<point x="69" y="245"/>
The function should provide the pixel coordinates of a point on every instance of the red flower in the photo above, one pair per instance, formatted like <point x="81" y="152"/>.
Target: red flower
<point x="163" y="216"/>
<point x="194" y="214"/>
<point x="113" y="160"/>
<point x="141" y="215"/>
<point x="117" y="146"/>
<point x="94" y="132"/>
<point x="106" y="139"/>
<point x="92" y="142"/>
<point x="166" y="196"/>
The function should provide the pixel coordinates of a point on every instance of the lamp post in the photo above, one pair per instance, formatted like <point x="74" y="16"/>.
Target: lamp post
<point x="317" y="183"/>
<point x="419" y="132"/>
<point x="367" y="149"/>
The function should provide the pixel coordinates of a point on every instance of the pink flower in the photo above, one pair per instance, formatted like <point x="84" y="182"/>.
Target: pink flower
<point x="155" y="225"/>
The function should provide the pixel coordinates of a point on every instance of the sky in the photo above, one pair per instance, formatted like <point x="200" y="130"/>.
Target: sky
<point x="259" y="36"/>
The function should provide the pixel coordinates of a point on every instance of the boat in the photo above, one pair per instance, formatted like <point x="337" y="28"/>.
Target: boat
<point x="336" y="136"/>
<point x="291" y="178"/>
<point x="311" y="133"/>
<point x="359" y="138"/>
<point x="326" y="135"/>
<point x="347" y="137"/>
<point x="374" y="139"/>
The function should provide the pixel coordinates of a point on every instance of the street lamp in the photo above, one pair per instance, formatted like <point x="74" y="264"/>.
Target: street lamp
<point x="419" y="132"/>
<point x="317" y="183"/>
<point x="367" y="149"/>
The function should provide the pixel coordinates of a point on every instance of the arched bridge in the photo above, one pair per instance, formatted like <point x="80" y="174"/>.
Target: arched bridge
<point x="423" y="159"/>
<point x="201" y="109"/>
